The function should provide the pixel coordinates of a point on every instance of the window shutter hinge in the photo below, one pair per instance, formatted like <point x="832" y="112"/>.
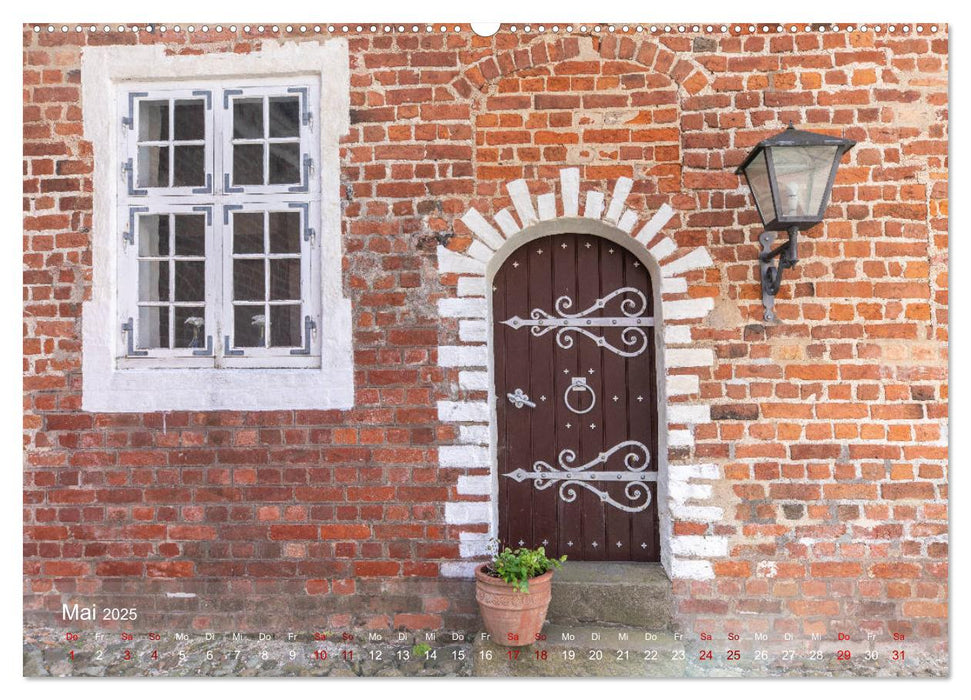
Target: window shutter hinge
<point x="309" y="331"/>
<point x="128" y="328"/>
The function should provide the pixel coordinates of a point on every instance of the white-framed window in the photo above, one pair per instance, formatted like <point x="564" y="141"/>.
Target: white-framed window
<point x="220" y="189"/>
<point x="217" y="234"/>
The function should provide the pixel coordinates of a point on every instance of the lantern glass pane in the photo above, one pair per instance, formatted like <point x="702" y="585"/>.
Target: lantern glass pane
<point x="802" y="173"/>
<point x="757" y="173"/>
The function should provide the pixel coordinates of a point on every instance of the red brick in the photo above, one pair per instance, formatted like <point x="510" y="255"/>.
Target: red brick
<point x="293" y="532"/>
<point x="170" y="569"/>
<point x="344" y="532"/>
<point x="376" y="568"/>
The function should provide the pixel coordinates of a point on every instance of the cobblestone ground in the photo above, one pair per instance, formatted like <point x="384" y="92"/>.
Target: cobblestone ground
<point x="48" y="652"/>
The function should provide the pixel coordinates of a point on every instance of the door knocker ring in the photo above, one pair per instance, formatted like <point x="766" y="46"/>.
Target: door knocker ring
<point x="579" y="385"/>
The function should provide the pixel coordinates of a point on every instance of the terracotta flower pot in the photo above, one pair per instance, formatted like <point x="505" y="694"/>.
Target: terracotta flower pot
<point x="511" y="618"/>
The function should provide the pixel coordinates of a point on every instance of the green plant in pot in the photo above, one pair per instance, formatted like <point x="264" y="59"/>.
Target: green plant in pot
<point x="513" y="592"/>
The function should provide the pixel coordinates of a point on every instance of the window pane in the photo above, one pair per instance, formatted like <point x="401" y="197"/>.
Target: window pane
<point x="757" y="174"/>
<point x="248" y="119"/>
<point x="802" y="174"/>
<point x="153" y="235"/>
<point x="249" y="283"/>
<point x="190" y="280"/>
<point x="153" y="280"/>
<point x="248" y="164"/>
<point x="190" y="327"/>
<point x="285" y="279"/>
<point x="190" y="122"/>
<point x="285" y="325"/>
<point x="190" y="234"/>
<point x="247" y="233"/>
<point x="284" y="117"/>
<point x="153" y="166"/>
<point x="189" y="168"/>
<point x="153" y="120"/>
<point x="284" y="232"/>
<point x="284" y="163"/>
<point x="153" y="326"/>
<point x="249" y="327"/>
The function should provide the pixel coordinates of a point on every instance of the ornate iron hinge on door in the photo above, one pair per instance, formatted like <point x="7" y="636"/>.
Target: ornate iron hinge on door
<point x="633" y="335"/>
<point x="636" y="477"/>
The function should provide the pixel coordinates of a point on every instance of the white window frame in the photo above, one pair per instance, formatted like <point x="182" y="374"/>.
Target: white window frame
<point x="319" y="375"/>
<point x="229" y="355"/>
<point x="222" y="197"/>
<point x="128" y="302"/>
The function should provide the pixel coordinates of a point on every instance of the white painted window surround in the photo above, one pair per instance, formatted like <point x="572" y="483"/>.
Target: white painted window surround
<point x="321" y="379"/>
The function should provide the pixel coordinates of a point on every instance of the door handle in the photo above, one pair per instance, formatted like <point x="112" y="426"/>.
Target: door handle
<point x="520" y="399"/>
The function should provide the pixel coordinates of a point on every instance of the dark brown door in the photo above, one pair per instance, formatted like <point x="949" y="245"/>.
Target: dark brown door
<point x="576" y="403"/>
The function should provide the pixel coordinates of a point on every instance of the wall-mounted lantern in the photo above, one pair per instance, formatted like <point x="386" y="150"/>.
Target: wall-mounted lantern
<point x="791" y="176"/>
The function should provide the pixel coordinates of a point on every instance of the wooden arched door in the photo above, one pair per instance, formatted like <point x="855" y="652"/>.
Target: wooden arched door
<point x="576" y="400"/>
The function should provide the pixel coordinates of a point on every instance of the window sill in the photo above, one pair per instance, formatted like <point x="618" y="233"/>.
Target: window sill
<point x="221" y="363"/>
<point x="113" y="389"/>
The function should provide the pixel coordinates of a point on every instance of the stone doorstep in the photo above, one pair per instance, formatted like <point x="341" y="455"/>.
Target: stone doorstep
<point x="597" y="651"/>
<point x="619" y="593"/>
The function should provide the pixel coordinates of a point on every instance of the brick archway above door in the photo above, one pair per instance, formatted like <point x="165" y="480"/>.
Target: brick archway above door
<point x="684" y="488"/>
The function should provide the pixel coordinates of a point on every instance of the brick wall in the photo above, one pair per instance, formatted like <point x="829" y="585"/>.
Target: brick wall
<point x="829" y="431"/>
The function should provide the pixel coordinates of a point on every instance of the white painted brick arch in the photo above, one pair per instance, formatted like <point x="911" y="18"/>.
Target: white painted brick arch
<point x="684" y="491"/>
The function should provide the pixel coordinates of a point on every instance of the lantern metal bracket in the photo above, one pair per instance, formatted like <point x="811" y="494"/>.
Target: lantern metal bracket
<point x="772" y="262"/>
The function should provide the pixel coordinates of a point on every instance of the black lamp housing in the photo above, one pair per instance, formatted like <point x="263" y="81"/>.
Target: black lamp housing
<point x="791" y="177"/>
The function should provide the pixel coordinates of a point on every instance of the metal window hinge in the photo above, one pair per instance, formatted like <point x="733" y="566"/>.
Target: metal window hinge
<point x="206" y="351"/>
<point x="207" y="189"/>
<point x="129" y="121"/>
<point x="205" y="93"/>
<point x="128" y="174"/>
<point x="229" y="93"/>
<point x="309" y="234"/>
<point x="228" y="347"/>
<point x="308" y="170"/>
<point x="207" y="210"/>
<point x="129" y="235"/>
<point x="227" y="186"/>
<point x="128" y="328"/>
<point x="227" y="209"/>
<point x="302" y="91"/>
<point x="309" y="334"/>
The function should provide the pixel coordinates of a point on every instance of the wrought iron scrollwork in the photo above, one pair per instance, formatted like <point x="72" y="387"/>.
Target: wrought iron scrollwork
<point x="633" y="337"/>
<point x="636" y="478"/>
